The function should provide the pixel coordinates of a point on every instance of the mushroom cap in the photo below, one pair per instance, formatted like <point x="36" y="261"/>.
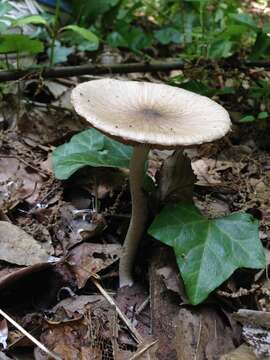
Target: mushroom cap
<point x="160" y="116"/>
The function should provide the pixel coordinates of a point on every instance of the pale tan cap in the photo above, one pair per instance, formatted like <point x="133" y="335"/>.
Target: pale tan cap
<point x="158" y="115"/>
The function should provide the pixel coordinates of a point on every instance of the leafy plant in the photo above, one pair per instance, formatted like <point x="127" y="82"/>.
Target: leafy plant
<point x="208" y="251"/>
<point x="89" y="148"/>
<point x="54" y="31"/>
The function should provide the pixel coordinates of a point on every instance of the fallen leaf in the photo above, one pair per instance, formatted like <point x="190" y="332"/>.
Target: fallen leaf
<point x="18" y="247"/>
<point x="202" y="169"/>
<point x="9" y="276"/>
<point x="86" y="336"/>
<point x="17" y="183"/>
<point x="88" y="259"/>
<point x="243" y="352"/>
<point x="176" y="179"/>
<point x="201" y="334"/>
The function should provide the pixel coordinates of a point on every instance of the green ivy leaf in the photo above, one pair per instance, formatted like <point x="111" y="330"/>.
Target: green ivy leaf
<point x="208" y="251"/>
<point x="17" y="43"/>
<point x="247" y="119"/>
<point x="92" y="148"/>
<point x="220" y="49"/>
<point x="263" y="115"/>
<point x="86" y="34"/>
<point x="33" y="19"/>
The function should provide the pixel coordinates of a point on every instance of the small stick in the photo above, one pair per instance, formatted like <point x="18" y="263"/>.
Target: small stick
<point x="29" y="336"/>
<point x="143" y="350"/>
<point x="134" y="332"/>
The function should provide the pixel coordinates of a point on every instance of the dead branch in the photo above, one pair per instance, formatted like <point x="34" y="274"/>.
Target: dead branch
<point x="98" y="69"/>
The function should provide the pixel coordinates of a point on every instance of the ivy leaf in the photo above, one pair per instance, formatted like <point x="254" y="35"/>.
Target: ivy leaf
<point x="33" y="19"/>
<point x="208" y="251"/>
<point x="86" y="34"/>
<point x="92" y="148"/>
<point x="245" y="19"/>
<point x="17" y="43"/>
<point x="168" y="35"/>
<point x="247" y="119"/>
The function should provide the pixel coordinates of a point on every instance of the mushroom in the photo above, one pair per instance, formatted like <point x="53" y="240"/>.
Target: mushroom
<point x="146" y="116"/>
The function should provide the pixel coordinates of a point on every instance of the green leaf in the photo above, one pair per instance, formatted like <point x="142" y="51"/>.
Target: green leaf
<point x="263" y="115"/>
<point x="89" y="148"/>
<point x="34" y="19"/>
<point x="86" y="34"/>
<point x="168" y="35"/>
<point x="247" y="119"/>
<point x="208" y="251"/>
<point x="5" y="8"/>
<point x="220" y="49"/>
<point x="245" y="19"/>
<point x="115" y="39"/>
<point x="17" y="43"/>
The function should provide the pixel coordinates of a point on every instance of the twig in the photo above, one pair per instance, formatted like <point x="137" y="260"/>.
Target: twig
<point x="29" y="336"/>
<point x="133" y="330"/>
<point x="98" y="69"/>
<point x="89" y="69"/>
<point x="143" y="350"/>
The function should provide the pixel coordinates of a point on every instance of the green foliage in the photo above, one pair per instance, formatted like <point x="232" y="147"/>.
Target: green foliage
<point x="17" y="43"/>
<point x="84" y="33"/>
<point x="208" y="251"/>
<point x="89" y="148"/>
<point x="34" y="20"/>
<point x="263" y="115"/>
<point x="200" y="28"/>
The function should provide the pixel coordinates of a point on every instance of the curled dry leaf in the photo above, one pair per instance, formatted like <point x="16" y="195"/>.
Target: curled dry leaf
<point x="9" y="276"/>
<point x="85" y="334"/>
<point x="18" y="247"/>
<point x="17" y="183"/>
<point x="88" y="259"/>
<point x="176" y="179"/>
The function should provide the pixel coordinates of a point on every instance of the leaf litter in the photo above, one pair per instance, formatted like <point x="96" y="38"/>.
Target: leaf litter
<point x="76" y="320"/>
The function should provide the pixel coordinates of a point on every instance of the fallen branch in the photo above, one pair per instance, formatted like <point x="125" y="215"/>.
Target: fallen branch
<point x="97" y="69"/>
<point x="89" y="69"/>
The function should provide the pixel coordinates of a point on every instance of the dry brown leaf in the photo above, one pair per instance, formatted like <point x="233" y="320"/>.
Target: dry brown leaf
<point x="9" y="276"/>
<point x="176" y="179"/>
<point x="85" y="336"/>
<point x="172" y="281"/>
<point x="78" y="303"/>
<point x="201" y="335"/>
<point x="18" y="247"/>
<point x="203" y="170"/>
<point x="17" y="183"/>
<point x="243" y="352"/>
<point x="88" y="259"/>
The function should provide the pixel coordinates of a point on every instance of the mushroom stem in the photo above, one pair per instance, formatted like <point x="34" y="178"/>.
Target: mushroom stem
<point x="138" y="216"/>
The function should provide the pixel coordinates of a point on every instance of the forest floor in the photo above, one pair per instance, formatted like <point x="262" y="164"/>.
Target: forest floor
<point x="72" y="304"/>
